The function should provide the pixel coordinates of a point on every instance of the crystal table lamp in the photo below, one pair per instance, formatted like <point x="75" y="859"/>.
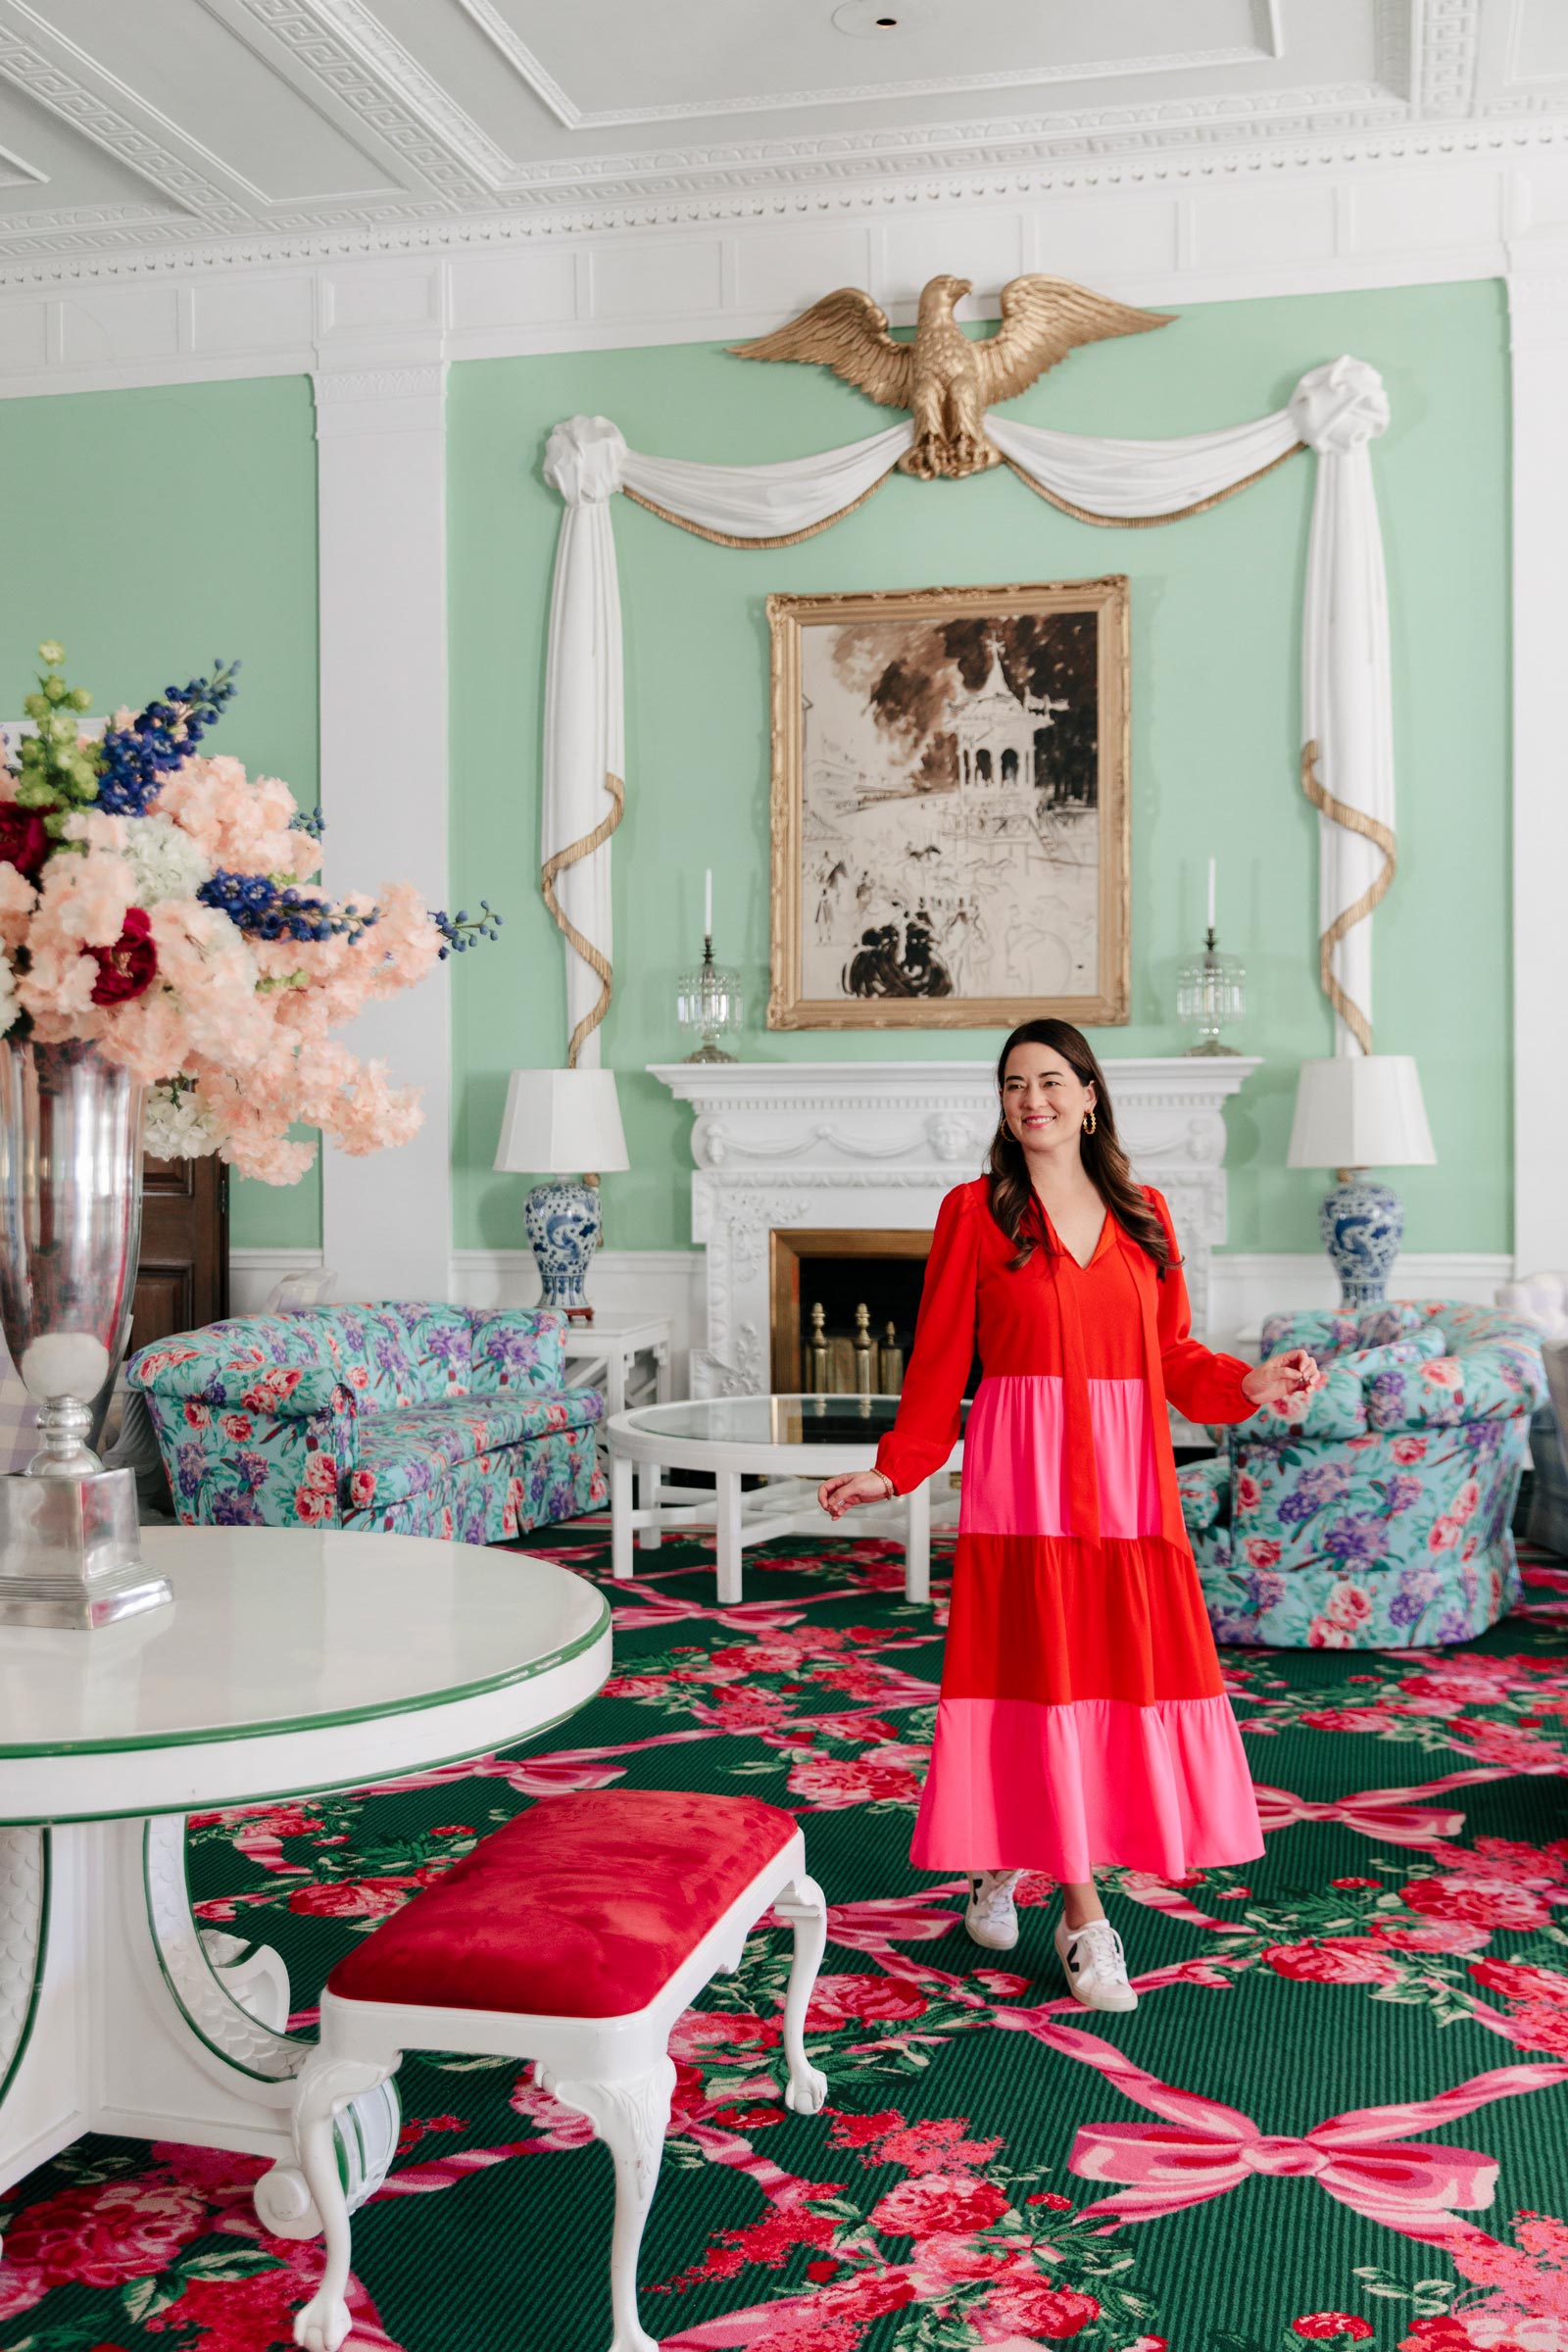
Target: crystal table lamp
<point x="709" y="1004"/>
<point x="561" y="1121"/>
<point x="1211" y="995"/>
<point x="1357" y="1112"/>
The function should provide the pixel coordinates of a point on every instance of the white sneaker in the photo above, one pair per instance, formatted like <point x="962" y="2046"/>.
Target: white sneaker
<point x="1095" y="1965"/>
<point x="991" y="1918"/>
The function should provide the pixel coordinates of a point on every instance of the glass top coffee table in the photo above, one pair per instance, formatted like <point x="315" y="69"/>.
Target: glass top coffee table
<point x="793" y="1442"/>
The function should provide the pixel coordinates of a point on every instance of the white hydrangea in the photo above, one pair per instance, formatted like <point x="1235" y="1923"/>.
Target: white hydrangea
<point x="9" y="1008"/>
<point x="175" y="1125"/>
<point x="165" y="861"/>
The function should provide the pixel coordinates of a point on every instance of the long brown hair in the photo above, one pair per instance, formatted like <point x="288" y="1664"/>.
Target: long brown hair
<point x="1102" y="1153"/>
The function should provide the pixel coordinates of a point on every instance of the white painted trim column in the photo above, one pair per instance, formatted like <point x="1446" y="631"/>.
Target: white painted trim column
<point x="386" y="1219"/>
<point x="1538" y="301"/>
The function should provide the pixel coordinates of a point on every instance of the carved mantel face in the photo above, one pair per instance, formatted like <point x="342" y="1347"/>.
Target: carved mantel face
<point x="864" y="1145"/>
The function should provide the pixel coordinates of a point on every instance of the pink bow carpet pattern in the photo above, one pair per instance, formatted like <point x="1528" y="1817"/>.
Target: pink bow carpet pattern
<point x="1339" y="2115"/>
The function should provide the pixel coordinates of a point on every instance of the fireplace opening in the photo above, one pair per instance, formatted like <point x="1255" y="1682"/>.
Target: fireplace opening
<point x="844" y="1307"/>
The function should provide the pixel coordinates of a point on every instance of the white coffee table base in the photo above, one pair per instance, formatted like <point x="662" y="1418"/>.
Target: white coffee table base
<point x="785" y="1506"/>
<point x="714" y="1440"/>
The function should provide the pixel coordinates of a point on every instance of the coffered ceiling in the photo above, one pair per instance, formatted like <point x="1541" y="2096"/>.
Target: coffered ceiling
<point x="152" y="125"/>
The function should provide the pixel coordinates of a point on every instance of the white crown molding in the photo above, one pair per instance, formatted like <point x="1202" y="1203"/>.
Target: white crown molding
<point x="140" y="255"/>
<point x="56" y="74"/>
<point x="343" y="45"/>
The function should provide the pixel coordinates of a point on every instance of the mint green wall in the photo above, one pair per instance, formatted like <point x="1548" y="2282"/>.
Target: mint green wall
<point x="149" y="531"/>
<point x="1216" y="626"/>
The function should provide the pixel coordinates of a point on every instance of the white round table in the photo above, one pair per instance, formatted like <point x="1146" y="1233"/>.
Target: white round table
<point x="795" y="1441"/>
<point x="293" y="1660"/>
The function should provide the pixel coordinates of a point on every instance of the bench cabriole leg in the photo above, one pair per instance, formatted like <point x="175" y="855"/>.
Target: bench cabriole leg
<point x="630" y="2114"/>
<point x="804" y="1906"/>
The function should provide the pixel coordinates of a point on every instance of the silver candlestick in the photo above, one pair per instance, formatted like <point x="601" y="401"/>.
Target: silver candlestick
<point x="1210" y="993"/>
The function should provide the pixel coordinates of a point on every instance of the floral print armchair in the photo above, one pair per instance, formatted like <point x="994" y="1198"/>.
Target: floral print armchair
<point x="1375" y="1514"/>
<point x="417" y="1419"/>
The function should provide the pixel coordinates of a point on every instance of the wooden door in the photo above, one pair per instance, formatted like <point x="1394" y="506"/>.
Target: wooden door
<point x="183" y="1273"/>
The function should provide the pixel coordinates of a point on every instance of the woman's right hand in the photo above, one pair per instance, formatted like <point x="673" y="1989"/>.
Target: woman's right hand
<point x="850" y="1489"/>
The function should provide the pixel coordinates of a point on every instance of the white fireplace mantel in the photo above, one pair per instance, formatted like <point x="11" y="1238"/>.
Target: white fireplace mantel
<point x="849" y="1144"/>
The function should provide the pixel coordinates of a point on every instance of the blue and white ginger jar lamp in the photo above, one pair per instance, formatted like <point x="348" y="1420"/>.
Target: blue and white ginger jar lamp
<point x="1360" y="1111"/>
<point x="567" y="1123"/>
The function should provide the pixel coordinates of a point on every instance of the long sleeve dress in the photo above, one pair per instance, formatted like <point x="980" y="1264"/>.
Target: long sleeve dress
<point x="1082" y="1722"/>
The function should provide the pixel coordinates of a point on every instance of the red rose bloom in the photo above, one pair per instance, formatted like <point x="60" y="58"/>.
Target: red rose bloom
<point x="944" y="2203"/>
<point x="1325" y="2325"/>
<point x="1520" y="1981"/>
<point x="129" y="967"/>
<point x="106" y="2236"/>
<point x="854" y="2000"/>
<point x="1032" y="2308"/>
<point x="23" y="841"/>
<point x="1336" y="1960"/>
<point x="1476" y="1903"/>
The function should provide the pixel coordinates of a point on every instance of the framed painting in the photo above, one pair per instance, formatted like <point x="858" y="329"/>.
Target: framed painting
<point x="949" y="826"/>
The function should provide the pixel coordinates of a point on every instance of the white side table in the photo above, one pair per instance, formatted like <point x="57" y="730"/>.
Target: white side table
<point x="625" y="1356"/>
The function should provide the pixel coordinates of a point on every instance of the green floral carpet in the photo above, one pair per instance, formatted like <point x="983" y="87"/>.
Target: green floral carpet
<point x="1339" y="2112"/>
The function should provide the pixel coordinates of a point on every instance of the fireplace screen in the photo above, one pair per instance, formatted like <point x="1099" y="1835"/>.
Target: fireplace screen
<point x="844" y="1310"/>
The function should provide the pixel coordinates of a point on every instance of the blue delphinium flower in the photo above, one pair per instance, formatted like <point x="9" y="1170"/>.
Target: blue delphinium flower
<point x="136" y="759"/>
<point x="267" y="909"/>
<point x="461" y="931"/>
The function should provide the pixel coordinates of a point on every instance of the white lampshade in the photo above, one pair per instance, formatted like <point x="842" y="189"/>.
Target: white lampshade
<point x="559" y="1122"/>
<point x="1360" y="1111"/>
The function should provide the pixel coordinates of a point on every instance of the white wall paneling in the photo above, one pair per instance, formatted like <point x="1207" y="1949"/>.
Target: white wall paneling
<point x="254" y="1274"/>
<point x="1200" y="231"/>
<point x="1244" y="1286"/>
<point x="1537" y="291"/>
<point x="387" y="1222"/>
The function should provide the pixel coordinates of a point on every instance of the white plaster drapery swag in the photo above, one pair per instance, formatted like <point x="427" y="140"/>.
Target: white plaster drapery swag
<point x="1337" y="410"/>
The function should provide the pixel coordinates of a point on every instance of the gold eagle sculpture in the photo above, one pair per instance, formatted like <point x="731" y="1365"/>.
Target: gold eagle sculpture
<point x="945" y="380"/>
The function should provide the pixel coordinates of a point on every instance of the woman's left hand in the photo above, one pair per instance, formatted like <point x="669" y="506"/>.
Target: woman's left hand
<point x="1279" y="1378"/>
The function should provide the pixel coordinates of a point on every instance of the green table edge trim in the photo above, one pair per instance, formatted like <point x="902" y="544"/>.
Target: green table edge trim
<point x="329" y="1721"/>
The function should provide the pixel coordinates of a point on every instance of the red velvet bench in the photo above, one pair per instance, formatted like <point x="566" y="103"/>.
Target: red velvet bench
<point x="575" y="1937"/>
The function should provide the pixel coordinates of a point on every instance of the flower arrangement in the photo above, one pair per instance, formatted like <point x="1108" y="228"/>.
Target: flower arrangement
<point x="158" y="904"/>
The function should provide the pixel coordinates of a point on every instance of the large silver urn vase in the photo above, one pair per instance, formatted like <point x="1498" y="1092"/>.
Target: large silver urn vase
<point x="70" y="1230"/>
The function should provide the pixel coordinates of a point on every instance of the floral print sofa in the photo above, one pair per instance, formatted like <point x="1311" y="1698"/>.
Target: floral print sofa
<point x="420" y="1420"/>
<point x="1376" y="1513"/>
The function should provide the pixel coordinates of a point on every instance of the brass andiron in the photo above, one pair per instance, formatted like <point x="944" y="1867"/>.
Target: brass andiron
<point x="818" y="1355"/>
<point x="890" y="1365"/>
<point x="864" y="1354"/>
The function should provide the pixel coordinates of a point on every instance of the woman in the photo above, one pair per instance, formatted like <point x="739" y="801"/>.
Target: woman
<point x="1082" y="1722"/>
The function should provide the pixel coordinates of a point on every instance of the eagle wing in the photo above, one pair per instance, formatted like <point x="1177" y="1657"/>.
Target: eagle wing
<point x="848" y="332"/>
<point x="1042" y="319"/>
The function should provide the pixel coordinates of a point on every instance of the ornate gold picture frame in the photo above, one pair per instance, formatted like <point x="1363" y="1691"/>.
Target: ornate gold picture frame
<point x="950" y="807"/>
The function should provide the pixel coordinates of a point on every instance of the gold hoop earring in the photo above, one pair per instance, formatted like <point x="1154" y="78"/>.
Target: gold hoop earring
<point x="1089" y="1120"/>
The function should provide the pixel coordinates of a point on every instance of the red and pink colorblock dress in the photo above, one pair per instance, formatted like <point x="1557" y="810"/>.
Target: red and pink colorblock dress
<point x="1082" y="1723"/>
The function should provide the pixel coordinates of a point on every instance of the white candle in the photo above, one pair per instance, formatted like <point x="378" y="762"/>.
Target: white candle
<point x="707" y="906"/>
<point x="1211" y="894"/>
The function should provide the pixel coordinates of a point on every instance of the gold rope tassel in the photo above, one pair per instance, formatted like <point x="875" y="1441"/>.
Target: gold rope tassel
<point x="1148" y="522"/>
<point x="1354" y="821"/>
<point x="585" y="947"/>
<point x="700" y="530"/>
